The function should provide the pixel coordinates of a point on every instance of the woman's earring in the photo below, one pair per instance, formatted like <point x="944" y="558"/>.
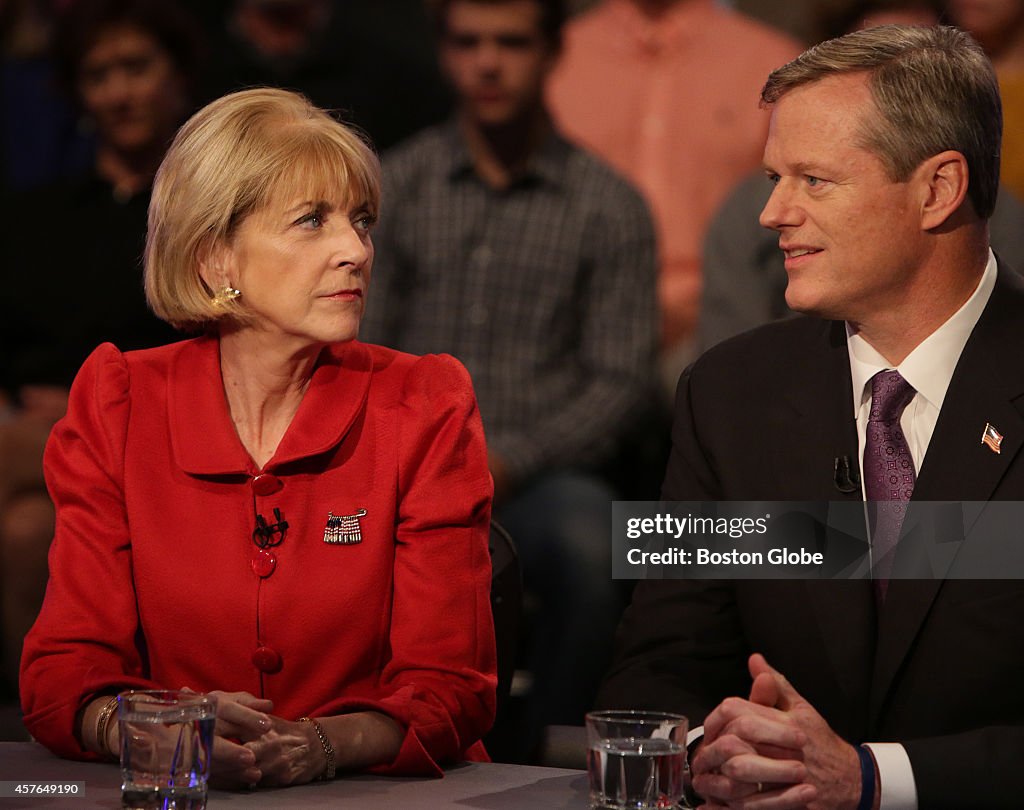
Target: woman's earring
<point x="225" y="294"/>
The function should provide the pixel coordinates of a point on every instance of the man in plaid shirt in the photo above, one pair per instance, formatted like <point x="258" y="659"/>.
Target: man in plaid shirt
<point x="534" y="264"/>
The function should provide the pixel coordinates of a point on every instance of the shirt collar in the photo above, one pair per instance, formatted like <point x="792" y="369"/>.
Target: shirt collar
<point x="929" y="367"/>
<point x="547" y="164"/>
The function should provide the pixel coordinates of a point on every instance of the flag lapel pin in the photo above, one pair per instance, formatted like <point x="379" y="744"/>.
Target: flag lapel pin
<point x="992" y="438"/>
<point x="344" y="530"/>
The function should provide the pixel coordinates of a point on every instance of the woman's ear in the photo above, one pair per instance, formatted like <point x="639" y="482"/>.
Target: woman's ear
<point x="215" y="266"/>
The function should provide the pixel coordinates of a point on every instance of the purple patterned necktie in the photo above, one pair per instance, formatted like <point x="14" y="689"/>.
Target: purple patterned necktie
<point x="889" y="475"/>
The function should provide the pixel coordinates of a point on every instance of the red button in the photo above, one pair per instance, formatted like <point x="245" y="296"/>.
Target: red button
<point x="266" y="484"/>
<point x="267" y="659"/>
<point x="263" y="563"/>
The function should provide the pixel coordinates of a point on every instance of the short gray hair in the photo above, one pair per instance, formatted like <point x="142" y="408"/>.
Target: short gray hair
<point x="934" y="89"/>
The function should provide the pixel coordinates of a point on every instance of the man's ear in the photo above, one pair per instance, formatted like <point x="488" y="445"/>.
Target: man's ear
<point x="944" y="178"/>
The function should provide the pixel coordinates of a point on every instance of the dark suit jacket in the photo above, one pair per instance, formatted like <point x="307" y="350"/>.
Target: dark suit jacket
<point x="941" y="668"/>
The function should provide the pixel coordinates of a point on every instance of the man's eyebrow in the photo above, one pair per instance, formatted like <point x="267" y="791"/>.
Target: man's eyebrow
<point x="800" y="167"/>
<point x="804" y="167"/>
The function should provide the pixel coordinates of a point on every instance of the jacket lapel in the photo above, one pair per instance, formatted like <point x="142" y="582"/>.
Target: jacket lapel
<point x="986" y="388"/>
<point x="203" y="437"/>
<point x="336" y="397"/>
<point x="825" y="426"/>
<point x="845" y="615"/>
<point x="958" y="466"/>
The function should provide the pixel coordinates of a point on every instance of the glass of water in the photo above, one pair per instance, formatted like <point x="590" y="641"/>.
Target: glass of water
<point x="166" y="747"/>
<point x="636" y="760"/>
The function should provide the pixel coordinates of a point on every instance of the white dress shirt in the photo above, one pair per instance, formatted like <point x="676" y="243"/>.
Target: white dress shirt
<point x="929" y="369"/>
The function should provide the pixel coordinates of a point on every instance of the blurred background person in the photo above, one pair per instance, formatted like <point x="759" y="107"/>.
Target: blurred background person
<point x="70" y="256"/>
<point x="744" y="274"/>
<point x="998" y="26"/>
<point x="358" y="597"/>
<point x="40" y="141"/>
<point x="385" y="80"/>
<point x="666" y="91"/>
<point x="533" y="263"/>
<point x="805" y="20"/>
<point x="852" y="16"/>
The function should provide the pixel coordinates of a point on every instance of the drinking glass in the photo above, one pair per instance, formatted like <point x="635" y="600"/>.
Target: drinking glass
<point x="166" y="746"/>
<point x="636" y="759"/>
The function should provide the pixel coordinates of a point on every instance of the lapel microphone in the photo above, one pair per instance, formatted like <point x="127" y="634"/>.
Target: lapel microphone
<point x="847" y="477"/>
<point x="263" y="534"/>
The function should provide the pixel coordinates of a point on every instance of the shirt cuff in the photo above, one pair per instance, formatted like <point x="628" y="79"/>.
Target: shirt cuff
<point x="895" y="775"/>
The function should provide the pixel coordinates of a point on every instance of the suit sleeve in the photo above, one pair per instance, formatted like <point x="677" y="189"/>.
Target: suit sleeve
<point x="85" y="641"/>
<point x="680" y="646"/>
<point x="442" y="673"/>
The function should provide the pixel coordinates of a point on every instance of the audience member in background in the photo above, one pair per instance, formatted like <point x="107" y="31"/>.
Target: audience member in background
<point x="807" y="20"/>
<point x="70" y="257"/>
<point x="666" y="91"/>
<point x="853" y="16"/>
<point x="272" y="511"/>
<point x="533" y="263"/>
<point x="39" y="140"/>
<point x="812" y="21"/>
<point x="744" y="272"/>
<point x="385" y="79"/>
<point x="998" y="26"/>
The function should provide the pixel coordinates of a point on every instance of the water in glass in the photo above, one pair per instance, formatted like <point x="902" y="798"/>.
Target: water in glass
<point x="165" y="756"/>
<point x="633" y="773"/>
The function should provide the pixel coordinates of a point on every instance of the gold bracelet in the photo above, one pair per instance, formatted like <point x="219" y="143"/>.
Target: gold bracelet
<point x="103" y="727"/>
<point x="329" y="770"/>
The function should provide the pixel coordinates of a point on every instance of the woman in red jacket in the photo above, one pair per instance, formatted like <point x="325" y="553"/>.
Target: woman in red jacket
<point x="272" y="511"/>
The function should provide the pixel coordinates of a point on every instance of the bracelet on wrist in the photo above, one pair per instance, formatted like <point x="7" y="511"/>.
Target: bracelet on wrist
<point x="867" y="778"/>
<point x="331" y="766"/>
<point x="103" y="720"/>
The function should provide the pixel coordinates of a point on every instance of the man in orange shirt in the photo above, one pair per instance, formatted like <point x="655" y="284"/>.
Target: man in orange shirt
<point x="666" y="91"/>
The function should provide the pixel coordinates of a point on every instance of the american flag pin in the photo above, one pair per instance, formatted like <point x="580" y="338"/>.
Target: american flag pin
<point x="344" y="530"/>
<point x="991" y="438"/>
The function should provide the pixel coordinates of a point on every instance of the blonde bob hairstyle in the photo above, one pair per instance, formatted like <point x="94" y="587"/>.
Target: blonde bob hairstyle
<point x="228" y="161"/>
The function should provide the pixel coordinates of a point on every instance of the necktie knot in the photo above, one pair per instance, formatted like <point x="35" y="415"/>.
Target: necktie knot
<point x="890" y="394"/>
<point x="889" y="473"/>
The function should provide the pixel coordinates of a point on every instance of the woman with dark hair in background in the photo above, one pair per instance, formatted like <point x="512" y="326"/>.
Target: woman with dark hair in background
<point x="70" y="257"/>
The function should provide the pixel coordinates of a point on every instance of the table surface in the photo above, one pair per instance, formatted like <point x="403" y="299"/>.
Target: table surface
<point x="487" y="786"/>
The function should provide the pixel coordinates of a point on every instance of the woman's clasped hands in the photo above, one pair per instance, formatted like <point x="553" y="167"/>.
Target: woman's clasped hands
<point x="253" y="747"/>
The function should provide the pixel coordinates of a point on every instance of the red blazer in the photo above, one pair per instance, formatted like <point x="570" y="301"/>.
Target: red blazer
<point x="152" y="582"/>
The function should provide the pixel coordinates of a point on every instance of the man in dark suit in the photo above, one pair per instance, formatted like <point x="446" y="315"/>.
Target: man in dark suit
<point x="883" y="148"/>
